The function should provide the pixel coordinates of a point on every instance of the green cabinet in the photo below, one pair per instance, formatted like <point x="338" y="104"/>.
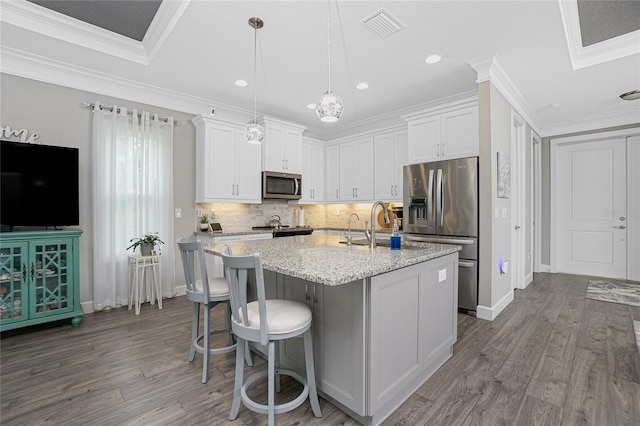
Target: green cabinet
<point x="39" y="278"/>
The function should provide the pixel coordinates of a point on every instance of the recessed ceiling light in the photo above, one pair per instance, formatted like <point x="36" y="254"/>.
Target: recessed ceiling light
<point x="555" y="105"/>
<point x="433" y="59"/>
<point x="362" y="86"/>
<point x="241" y="83"/>
<point x="631" y="96"/>
<point x="311" y="106"/>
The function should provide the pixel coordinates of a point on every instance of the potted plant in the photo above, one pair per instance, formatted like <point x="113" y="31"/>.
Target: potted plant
<point x="147" y="242"/>
<point x="204" y="222"/>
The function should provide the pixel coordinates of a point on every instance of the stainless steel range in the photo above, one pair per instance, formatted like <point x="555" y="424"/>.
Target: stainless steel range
<point x="286" y="231"/>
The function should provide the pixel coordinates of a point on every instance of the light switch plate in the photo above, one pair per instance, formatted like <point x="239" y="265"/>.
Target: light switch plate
<point x="442" y="275"/>
<point x="497" y="212"/>
<point x="178" y="213"/>
<point x="504" y="212"/>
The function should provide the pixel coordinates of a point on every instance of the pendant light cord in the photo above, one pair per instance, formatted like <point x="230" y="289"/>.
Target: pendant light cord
<point x="255" y="41"/>
<point x="329" y="41"/>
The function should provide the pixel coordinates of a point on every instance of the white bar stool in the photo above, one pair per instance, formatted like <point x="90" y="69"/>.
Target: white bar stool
<point x="138" y="266"/>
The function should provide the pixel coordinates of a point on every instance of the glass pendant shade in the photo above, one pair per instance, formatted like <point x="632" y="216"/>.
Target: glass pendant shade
<point x="254" y="133"/>
<point x="329" y="107"/>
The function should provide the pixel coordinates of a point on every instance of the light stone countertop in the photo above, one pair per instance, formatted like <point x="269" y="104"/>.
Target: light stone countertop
<point x="322" y="259"/>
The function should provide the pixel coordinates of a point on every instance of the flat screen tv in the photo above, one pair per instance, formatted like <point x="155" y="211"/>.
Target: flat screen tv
<point x="39" y="185"/>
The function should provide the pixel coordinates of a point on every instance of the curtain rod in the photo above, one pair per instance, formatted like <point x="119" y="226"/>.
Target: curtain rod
<point x="129" y="112"/>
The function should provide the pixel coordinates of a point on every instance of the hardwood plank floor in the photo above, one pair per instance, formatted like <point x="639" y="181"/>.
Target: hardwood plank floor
<point x="551" y="357"/>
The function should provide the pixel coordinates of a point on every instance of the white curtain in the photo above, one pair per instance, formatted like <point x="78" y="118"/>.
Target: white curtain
<point x="132" y="196"/>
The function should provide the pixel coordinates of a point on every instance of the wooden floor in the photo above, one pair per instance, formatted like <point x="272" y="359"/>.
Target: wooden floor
<point x="551" y="357"/>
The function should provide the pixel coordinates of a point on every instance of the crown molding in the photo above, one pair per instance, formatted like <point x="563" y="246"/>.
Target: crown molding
<point x="604" y="51"/>
<point x="34" y="67"/>
<point x="47" y="22"/>
<point x="167" y="16"/>
<point x="490" y="69"/>
<point x="600" y="121"/>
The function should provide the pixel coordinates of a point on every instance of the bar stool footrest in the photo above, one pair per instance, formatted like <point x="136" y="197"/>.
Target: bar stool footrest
<point x="278" y="408"/>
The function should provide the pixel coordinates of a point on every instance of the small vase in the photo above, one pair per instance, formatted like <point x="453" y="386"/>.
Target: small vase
<point x="204" y="226"/>
<point x="146" y="249"/>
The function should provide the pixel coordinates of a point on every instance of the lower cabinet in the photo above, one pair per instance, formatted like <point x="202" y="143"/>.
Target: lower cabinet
<point x="39" y="278"/>
<point x="378" y="339"/>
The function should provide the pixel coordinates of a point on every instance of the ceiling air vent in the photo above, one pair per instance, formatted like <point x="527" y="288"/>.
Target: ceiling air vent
<point x="383" y="23"/>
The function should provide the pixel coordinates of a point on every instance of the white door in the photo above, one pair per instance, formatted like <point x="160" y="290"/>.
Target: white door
<point x="590" y="194"/>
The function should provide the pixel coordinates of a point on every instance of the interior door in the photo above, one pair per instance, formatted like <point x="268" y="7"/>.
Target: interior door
<point x="590" y="208"/>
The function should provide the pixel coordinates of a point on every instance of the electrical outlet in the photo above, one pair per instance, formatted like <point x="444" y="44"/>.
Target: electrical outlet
<point x="198" y="213"/>
<point x="442" y="275"/>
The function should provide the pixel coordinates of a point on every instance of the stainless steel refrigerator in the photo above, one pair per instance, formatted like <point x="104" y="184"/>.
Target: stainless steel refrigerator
<point x="441" y="205"/>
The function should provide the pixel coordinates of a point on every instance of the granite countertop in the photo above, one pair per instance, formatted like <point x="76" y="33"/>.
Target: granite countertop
<point x="322" y="259"/>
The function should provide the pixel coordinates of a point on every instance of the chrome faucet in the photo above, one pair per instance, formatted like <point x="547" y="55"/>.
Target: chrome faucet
<point x="371" y="236"/>
<point x="349" y="232"/>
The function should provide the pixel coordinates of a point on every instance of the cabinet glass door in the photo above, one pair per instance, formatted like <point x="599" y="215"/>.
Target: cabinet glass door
<point x="52" y="281"/>
<point x="13" y="279"/>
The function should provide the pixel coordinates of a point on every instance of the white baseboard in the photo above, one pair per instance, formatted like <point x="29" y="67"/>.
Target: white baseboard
<point x="181" y="290"/>
<point x="87" y="307"/>
<point x="490" y="313"/>
<point x="528" y="280"/>
<point x="544" y="268"/>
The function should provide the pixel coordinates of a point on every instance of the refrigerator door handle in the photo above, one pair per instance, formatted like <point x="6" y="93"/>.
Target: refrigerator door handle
<point x="441" y="240"/>
<point x="465" y="264"/>
<point x="429" y="195"/>
<point x="440" y="201"/>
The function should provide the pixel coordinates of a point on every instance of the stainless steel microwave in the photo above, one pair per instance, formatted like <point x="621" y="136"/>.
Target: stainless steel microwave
<point x="278" y="185"/>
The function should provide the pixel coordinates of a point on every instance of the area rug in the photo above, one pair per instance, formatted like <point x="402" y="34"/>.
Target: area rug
<point x="606" y="291"/>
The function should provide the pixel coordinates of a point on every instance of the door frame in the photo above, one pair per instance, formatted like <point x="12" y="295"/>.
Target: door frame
<point x="554" y="146"/>
<point x="518" y="196"/>
<point x="536" y="202"/>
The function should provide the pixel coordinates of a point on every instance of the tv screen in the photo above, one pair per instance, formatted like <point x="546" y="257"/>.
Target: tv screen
<point x="39" y="185"/>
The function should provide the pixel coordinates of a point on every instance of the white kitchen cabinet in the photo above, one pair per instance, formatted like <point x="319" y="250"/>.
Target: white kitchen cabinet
<point x="313" y="173"/>
<point x="443" y="136"/>
<point x="332" y="173"/>
<point x="356" y="170"/>
<point x="227" y="167"/>
<point x="281" y="150"/>
<point x="390" y="155"/>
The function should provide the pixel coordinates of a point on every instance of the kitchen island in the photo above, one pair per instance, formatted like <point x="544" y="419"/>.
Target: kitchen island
<point x="383" y="320"/>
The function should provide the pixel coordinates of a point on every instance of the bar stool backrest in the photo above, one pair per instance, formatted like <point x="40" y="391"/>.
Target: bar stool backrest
<point x="195" y="272"/>
<point x="243" y="272"/>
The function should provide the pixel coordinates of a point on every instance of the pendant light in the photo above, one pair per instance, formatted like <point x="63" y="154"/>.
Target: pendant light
<point x="329" y="107"/>
<point x="254" y="133"/>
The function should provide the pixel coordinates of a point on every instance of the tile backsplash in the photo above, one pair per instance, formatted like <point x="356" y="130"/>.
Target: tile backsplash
<point x="241" y="217"/>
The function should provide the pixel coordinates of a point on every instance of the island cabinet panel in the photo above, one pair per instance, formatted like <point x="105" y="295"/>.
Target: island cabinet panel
<point x="440" y="320"/>
<point x="396" y="326"/>
<point x="338" y="337"/>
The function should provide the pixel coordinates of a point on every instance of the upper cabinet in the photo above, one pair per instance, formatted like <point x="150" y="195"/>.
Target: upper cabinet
<point x="281" y="150"/>
<point x="227" y="167"/>
<point x="390" y="155"/>
<point x="450" y="133"/>
<point x="356" y="169"/>
<point x="332" y="173"/>
<point x="313" y="172"/>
